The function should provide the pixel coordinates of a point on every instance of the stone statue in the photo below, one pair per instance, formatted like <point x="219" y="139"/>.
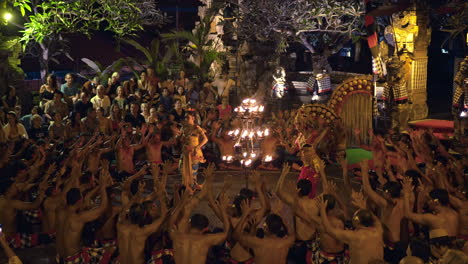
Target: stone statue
<point x="460" y="100"/>
<point x="279" y="83"/>
<point x="396" y="93"/>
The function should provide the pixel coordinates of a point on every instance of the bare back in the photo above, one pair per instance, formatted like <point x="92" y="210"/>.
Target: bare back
<point x="190" y="248"/>
<point x="272" y="250"/>
<point x="391" y="219"/>
<point x="304" y="230"/>
<point x="72" y="237"/>
<point x="366" y="246"/>
<point x="328" y="243"/>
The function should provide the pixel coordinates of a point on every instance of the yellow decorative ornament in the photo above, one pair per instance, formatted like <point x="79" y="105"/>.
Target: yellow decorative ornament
<point x="359" y="86"/>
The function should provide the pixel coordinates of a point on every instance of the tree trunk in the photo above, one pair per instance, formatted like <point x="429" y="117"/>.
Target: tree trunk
<point x="44" y="61"/>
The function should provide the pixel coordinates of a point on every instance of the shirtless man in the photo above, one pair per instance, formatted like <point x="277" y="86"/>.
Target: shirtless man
<point x="190" y="242"/>
<point x="154" y="146"/>
<point x="461" y="205"/>
<point x="10" y="205"/>
<point x="268" y="146"/>
<point x="94" y="156"/>
<point x="274" y="246"/>
<point x="125" y="152"/>
<point x="75" y="219"/>
<point x="305" y="231"/>
<point x="391" y="204"/>
<point x="442" y="216"/>
<point x="329" y="249"/>
<point x="132" y="231"/>
<point x="365" y="242"/>
<point x="225" y="145"/>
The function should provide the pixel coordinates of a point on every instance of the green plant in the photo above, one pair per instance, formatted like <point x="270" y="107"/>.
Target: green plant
<point x="203" y="49"/>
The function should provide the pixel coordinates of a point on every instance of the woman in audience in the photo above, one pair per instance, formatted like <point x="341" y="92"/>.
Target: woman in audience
<point x="10" y="100"/>
<point x="116" y="117"/>
<point x="121" y="98"/>
<point x="48" y="90"/>
<point x="180" y="95"/>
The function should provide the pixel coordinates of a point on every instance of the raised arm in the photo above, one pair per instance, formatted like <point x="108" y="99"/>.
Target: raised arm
<point x="379" y="200"/>
<point x="340" y="234"/>
<point x="239" y="235"/>
<point x="283" y="195"/>
<point x="90" y="215"/>
<point x="423" y="219"/>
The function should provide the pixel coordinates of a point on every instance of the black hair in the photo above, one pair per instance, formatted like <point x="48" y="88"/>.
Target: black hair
<point x="247" y="193"/>
<point x="134" y="186"/>
<point x="441" y="241"/>
<point x="414" y="175"/>
<point x="199" y="222"/>
<point x="304" y="186"/>
<point x="365" y="218"/>
<point x="441" y="159"/>
<point x="394" y="188"/>
<point x="331" y="201"/>
<point x="58" y="92"/>
<point x="86" y="178"/>
<point x="441" y="195"/>
<point x="237" y="205"/>
<point x="73" y="196"/>
<point x="136" y="214"/>
<point x="50" y="191"/>
<point x="5" y="185"/>
<point x="275" y="225"/>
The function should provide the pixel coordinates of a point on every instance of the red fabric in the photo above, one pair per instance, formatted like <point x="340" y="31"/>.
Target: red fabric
<point x="308" y="173"/>
<point x="439" y="126"/>
<point x="226" y="112"/>
<point x="369" y="20"/>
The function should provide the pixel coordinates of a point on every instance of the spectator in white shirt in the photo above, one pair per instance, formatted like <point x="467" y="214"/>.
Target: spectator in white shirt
<point x="13" y="129"/>
<point x="101" y="100"/>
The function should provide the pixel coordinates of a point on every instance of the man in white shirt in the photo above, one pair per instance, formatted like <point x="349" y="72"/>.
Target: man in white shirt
<point x="101" y="100"/>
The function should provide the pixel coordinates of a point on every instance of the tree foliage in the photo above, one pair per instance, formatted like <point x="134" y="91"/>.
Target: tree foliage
<point x="202" y="48"/>
<point x="121" y="17"/>
<point x="298" y="19"/>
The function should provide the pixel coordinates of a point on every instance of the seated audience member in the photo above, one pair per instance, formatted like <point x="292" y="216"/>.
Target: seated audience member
<point x="134" y="117"/>
<point x="74" y="125"/>
<point x="57" y="105"/>
<point x="115" y="117"/>
<point x="145" y="111"/>
<point x="143" y="81"/>
<point x="112" y="84"/>
<point x="70" y="89"/>
<point x="89" y="87"/>
<point x="101" y="99"/>
<point x="121" y="98"/>
<point x="13" y="129"/>
<point x="178" y="113"/>
<point x="37" y="129"/>
<point x="180" y="95"/>
<point x="83" y="105"/>
<point x="10" y="100"/>
<point x="165" y="99"/>
<point x="47" y="90"/>
<point x="105" y="125"/>
<point x="208" y="96"/>
<point x="26" y="119"/>
<point x="90" y="122"/>
<point x="57" y="128"/>
<point x="224" y="109"/>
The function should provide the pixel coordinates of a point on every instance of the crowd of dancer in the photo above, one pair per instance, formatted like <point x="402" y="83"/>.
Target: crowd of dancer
<point x="88" y="168"/>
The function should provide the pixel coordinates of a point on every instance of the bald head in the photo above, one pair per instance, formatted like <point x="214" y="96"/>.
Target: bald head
<point x="411" y="260"/>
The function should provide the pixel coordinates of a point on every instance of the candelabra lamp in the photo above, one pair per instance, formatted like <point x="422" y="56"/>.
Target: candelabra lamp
<point x="249" y="135"/>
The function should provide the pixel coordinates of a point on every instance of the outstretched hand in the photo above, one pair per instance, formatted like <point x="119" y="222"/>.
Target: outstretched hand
<point x="358" y="200"/>
<point x="286" y="169"/>
<point x="407" y="185"/>
<point x="246" y="207"/>
<point x="209" y="171"/>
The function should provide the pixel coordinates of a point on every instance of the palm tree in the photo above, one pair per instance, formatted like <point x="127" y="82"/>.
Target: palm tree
<point x="204" y="51"/>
